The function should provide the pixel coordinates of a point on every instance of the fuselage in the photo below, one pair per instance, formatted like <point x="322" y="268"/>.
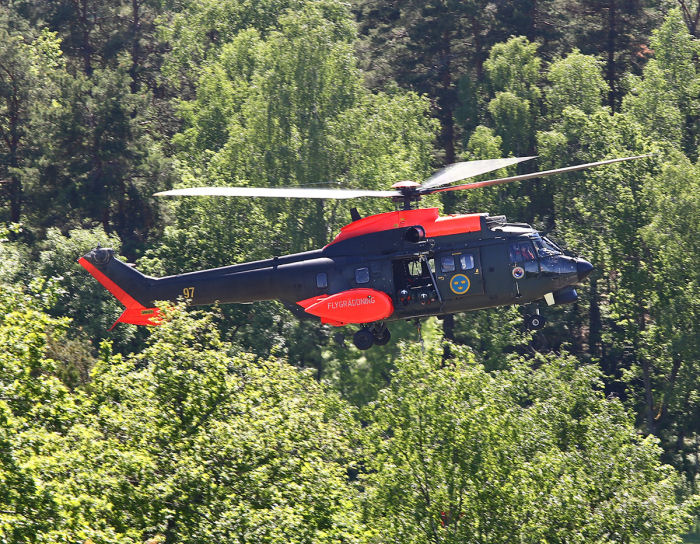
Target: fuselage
<point x="412" y="263"/>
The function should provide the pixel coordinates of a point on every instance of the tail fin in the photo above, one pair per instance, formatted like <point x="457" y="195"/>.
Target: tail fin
<point x="117" y="277"/>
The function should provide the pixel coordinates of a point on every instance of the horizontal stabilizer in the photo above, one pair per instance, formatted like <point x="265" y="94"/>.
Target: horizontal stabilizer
<point x="139" y="316"/>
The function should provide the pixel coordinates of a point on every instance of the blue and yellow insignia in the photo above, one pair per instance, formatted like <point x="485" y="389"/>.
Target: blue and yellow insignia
<point x="459" y="283"/>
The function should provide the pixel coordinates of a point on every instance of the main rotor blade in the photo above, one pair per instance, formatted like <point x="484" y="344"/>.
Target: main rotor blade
<point x="468" y="169"/>
<point x="544" y="173"/>
<point x="278" y="192"/>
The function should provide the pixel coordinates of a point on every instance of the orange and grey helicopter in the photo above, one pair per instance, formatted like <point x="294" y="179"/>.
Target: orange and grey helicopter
<point x="409" y="263"/>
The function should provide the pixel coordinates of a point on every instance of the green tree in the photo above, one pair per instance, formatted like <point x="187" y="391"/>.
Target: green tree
<point x="513" y="70"/>
<point x="98" y="116"/>
<point x="618" y="33"/>
<point x="665" y="100"/>
<point x="673" y="336"/>
<point x="599" y="213"/>
<point x="36" y="410"/>
<point x="456" y="454"/>
<point x="622" y="220"/>
<point x="299" y="92"/>
<point x="97" y="34"/>
<point x="194" y="442"/>
<point x="101" y="162"/>
<point x="198" y="31"/>
<point x="513" y="120"/>
<point x="514" y="67"/>
<point x="574" y="81"/>
<point x="544" y="21"/>
<point x="29" y="64"/>
<point x="428" y="47"/>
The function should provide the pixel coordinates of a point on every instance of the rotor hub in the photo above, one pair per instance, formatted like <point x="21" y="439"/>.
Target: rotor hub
<point x="410" y="192"/>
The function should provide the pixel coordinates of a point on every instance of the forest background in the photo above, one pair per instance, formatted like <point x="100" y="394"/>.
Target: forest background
<point x="242" y="424"/>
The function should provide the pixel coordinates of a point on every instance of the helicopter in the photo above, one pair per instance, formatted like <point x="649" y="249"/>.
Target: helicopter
<point x="405" y="264"/>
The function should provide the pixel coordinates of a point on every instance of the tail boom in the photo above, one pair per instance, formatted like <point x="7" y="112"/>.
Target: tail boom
<point x="278" y="278"/>
<point x="139" y="293"/>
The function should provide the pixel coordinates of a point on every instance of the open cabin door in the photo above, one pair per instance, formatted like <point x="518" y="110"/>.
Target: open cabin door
<point x="415" y="282"/>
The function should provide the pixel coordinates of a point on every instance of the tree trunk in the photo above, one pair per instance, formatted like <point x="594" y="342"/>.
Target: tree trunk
<point x="611" y="70"/>
<point x="691" y="19"/>
<point x="595" y="325"/>
<point x="446" y="100"/>
<point x="648" y="396"/>
<point x="15" y="198"/>
<point x="12" y="141"/>
<point x="135" y="45"/>
<point x="86" y="48"/>
<point x="669" y="393"/>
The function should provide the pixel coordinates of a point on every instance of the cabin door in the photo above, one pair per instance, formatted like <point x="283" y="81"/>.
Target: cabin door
<point x="459" y="273"/>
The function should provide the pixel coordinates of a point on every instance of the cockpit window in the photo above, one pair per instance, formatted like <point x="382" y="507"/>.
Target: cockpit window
<point x="551" y="245"/>
<point x="545" y="247"/>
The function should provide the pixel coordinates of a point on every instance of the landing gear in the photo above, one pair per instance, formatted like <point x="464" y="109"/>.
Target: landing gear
<point x="363" y="339"/>
<point x="383" y="338"/>
<point x="375" y="334"/>
<point x="535" y="321"/>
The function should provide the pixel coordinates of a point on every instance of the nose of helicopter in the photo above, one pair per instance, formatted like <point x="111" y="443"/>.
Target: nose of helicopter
<point x="583" y="269"/>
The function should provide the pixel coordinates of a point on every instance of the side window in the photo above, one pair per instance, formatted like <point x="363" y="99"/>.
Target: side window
<point x="362" y="275"/>
<point x="466" y="261"/>
<point x="321" y="280"/>
<point x="522" y="252"/>
<point x="447" y="263"/>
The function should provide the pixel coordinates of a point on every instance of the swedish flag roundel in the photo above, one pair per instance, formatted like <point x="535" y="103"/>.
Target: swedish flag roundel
<point x="459" y="284"/>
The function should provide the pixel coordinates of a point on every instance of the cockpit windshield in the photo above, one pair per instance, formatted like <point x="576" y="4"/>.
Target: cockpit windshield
<point x="552" y="245"/>
<point x="545" y="247"/>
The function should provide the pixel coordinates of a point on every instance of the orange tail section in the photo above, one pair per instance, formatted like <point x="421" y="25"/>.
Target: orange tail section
<point x="135" y="313"/>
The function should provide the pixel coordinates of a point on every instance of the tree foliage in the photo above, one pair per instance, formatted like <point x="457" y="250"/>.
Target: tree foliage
<point x="29" y="63"/>
<point x="524" y="454"/>
<point x="190" y="440"/>
<point x="207" y="429"/>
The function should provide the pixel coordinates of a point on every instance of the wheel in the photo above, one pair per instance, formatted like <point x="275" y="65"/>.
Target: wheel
<point x="363" y="339"/>
<point x="535" y="322"/>
<point x="383" y="337"/>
